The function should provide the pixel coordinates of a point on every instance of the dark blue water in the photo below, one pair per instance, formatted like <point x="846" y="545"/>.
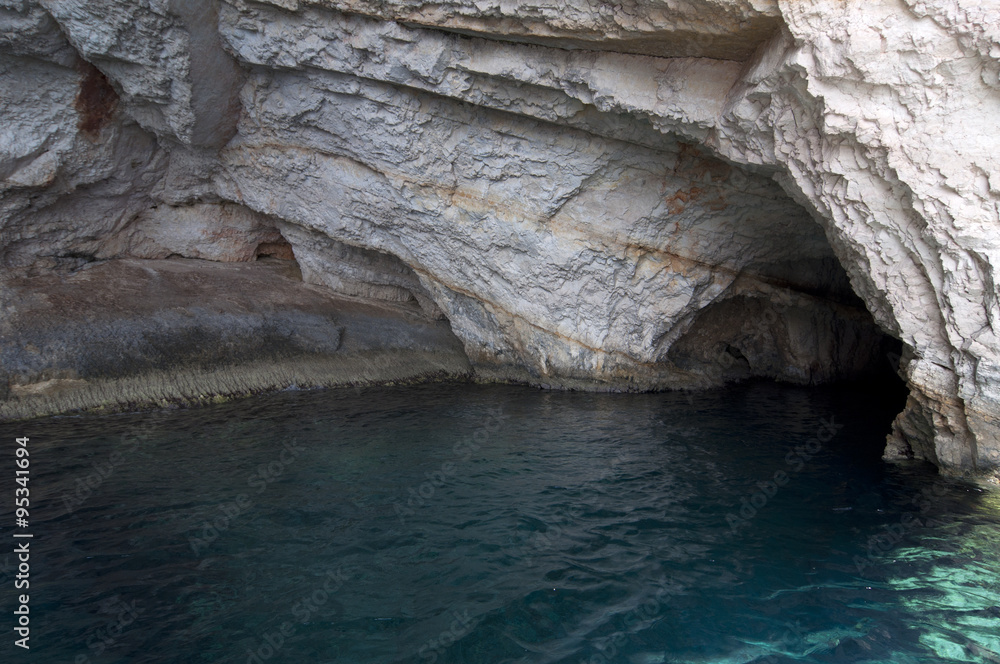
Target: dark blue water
<point x="457" y="523"/>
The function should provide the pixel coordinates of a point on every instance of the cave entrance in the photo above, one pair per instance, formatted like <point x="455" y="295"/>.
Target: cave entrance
<point x="789" y="312"/>
<point x="798" y="323"/>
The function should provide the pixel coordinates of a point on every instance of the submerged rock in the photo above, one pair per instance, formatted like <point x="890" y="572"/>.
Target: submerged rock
<point x="641" y="196"/>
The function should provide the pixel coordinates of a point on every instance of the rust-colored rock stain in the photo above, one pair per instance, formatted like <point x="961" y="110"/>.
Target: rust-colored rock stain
<point x="95" y="102"/>
<point x="679" y="200"/>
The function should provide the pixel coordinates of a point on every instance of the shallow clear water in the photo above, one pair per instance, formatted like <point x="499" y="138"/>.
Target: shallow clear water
<point x="457" y="523"/>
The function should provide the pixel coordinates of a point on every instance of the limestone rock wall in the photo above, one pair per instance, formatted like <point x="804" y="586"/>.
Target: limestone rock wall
<point x="877" y="113"/>
<point x="634" y="195"/>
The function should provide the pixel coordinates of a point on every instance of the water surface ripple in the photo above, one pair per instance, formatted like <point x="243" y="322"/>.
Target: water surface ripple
<point x="482" y="524"/>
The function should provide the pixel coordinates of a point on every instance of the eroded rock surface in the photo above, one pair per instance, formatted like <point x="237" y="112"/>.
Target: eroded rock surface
<point x="635" y="195"/>
<point x="135" y="332"/>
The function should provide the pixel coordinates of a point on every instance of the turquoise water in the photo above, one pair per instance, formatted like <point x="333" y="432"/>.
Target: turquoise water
<point x="468" y="524"/>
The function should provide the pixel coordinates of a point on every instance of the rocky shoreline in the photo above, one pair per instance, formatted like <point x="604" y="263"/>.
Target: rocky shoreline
<point x="134" y="334"/>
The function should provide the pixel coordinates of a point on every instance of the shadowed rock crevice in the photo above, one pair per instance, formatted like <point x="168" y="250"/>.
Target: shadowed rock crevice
<point x="803" y="340"/>
<point x="95" y="102"/>
<point x="724" y="31"/>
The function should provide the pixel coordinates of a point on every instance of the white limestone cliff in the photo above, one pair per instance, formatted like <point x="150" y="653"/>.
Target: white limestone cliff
<point x="635" y="195"/>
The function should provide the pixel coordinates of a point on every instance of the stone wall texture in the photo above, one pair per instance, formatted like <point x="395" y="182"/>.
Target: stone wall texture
<point x="633" y="195"/>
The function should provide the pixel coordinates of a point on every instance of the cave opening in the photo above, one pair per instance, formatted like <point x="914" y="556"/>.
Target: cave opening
<point x="790" y="333"/>
<point x="280" y="249"/>
<point x="789" y="313"/>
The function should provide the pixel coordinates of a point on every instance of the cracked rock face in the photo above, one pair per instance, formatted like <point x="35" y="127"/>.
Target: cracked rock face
<point x="629" y="196"/>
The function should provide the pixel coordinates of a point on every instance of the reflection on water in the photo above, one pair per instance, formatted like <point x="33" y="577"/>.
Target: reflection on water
<point x="457" y="523"/>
